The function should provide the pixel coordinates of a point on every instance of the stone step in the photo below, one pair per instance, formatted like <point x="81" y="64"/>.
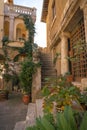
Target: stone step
<point x="31" y="115"/>
<point x="20" y="125"/>
<point x="47" y="64"/>
<point x="46" y="59"/>
<point x="39" y="108"/>
<point x="48" y="71"/>
<point x="48" y="76"/>
<point x="48" y="82"/>
<point x="47" y="68"/>
<point x="30" y="118"/>
<point x="34" y="110"/>
<point x="45" y="55"/>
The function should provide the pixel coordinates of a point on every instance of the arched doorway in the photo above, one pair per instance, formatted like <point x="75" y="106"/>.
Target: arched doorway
<point x="20" y="32"/>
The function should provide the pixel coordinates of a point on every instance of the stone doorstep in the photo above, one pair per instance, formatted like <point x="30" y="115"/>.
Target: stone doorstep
<point x="31" y="115"/>
<point x="77" y="84"/>
<point x="82" y="85"/>
<point x="20" y="125"/>
<point x="30" y="118"/>
<point x="39" y="109"/>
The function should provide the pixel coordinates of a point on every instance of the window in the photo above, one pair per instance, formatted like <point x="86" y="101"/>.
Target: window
<point x="18" y="33"/>
<point x="79" y="66"/>
<point x="53" y="10"/>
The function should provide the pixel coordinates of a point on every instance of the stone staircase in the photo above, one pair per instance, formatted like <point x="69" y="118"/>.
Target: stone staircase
<point x="47" y="68"/>
<point x="34" y="110"/>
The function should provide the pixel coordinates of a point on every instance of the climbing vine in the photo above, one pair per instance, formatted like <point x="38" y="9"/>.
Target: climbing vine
<point x="28" y="66"/>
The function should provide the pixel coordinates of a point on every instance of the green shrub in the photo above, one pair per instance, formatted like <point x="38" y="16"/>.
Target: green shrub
<point x="63" y="121"/>
<point x="61" y="92"/>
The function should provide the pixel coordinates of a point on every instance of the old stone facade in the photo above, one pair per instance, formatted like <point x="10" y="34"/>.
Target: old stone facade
<point x="12" y="26"/>
<point x="66" y="22"/>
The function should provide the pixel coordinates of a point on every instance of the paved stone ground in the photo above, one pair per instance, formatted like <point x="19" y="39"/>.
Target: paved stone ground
<point x="12" y="111"/>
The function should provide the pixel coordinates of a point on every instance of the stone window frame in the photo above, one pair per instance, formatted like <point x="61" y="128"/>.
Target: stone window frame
<point x="53" y="12"/>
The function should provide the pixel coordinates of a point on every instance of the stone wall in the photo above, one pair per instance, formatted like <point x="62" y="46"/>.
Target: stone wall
<point x="36" y="84"/>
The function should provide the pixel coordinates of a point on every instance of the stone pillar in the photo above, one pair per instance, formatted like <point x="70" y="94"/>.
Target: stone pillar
<point x="11" y="28"/>
<point x="64" y="53"/>
<point x="36" y="84"/>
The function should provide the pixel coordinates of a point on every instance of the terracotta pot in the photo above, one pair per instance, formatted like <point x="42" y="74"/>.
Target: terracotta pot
<point x="26" y="99"/>
<point x="4" y="95"/>
<point x="69" y="78"/>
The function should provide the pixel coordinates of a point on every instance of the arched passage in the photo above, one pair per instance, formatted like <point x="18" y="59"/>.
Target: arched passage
<point x="20" y="32"/>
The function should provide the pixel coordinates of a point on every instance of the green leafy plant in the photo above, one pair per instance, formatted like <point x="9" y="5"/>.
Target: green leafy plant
<point x="5" y="40"/>
<point x="68" y="76"/>
<point x="78" y="48"/>
<point x="61" y="92"/>
<point x="83" y="99"/>
<point x="28" y="68"/>
<point x="28" y="65"/>
<point x="65" y="120"/>
<point x="57" y="55"/>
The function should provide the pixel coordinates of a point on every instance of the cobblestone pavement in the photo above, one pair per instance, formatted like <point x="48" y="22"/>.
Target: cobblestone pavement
<point x="12" y="111"/>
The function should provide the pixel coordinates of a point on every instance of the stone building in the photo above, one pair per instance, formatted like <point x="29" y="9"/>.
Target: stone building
<point x="66" y="22"/>
<point x="12" y="26"/>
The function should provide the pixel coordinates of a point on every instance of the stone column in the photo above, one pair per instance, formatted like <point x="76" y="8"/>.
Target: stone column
<point x="11" y="28"/>
<point x="36" y="82"/>
<point x="64" y="53"/>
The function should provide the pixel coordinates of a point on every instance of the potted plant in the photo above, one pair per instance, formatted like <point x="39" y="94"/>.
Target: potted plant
<point x="63" y="94"/>
<point x="4" y="94"/>
<point x="24" y="80"/>
<point x="28" y="66"/>
<point x="69" y="77"/>
<point x="27" y="70"/>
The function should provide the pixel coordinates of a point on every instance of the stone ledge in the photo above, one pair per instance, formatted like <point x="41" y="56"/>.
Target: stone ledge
<point x="77" y="84"/>
<point x="39" y="109"/>
<point x="20" y="125"/>
<point x="31" y="114"/>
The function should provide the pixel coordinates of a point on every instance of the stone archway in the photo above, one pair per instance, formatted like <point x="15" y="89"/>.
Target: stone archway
<point x="20" y="32"/>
